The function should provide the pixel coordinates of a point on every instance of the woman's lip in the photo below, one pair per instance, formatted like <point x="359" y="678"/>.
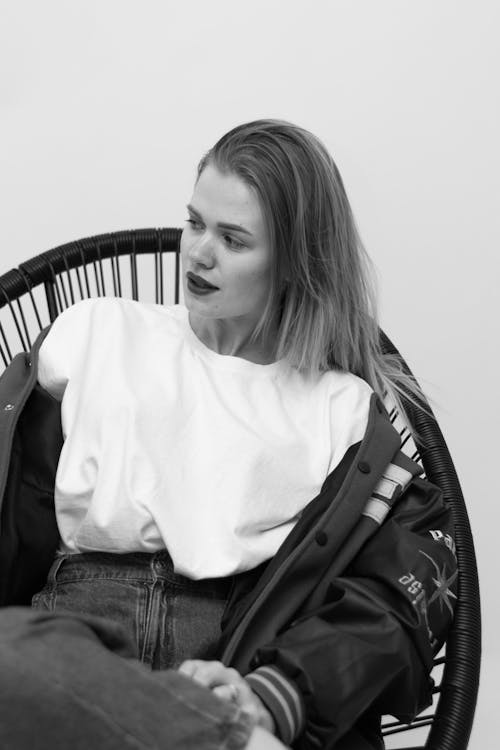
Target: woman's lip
<point x="200" y="281"/>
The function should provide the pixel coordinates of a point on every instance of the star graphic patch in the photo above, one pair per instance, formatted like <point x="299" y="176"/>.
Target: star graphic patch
<point x="442" y="593"/>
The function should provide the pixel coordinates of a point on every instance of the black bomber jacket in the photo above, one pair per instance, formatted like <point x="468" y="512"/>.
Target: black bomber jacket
<point x="340" y="627"/>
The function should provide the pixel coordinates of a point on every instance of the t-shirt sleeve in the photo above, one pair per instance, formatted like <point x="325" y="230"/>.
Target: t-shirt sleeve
<point x="64" y="346"/>
<point x="349" y="406"/>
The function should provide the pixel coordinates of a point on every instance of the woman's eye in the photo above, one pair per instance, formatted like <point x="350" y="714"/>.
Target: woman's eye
<point x="232" y="242"/>
<point x="194" y="223"/>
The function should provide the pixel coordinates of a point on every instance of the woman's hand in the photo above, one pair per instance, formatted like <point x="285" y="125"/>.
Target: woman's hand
<point x="229" y="685"/>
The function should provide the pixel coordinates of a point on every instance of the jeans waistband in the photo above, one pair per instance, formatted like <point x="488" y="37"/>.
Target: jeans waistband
<point x="138" y="566"/>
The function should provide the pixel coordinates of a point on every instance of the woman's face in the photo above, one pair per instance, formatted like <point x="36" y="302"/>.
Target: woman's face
<point x="226" y="256"/>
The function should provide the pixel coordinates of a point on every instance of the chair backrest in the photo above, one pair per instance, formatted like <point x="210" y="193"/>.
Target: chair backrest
<point x="144" y="264"/>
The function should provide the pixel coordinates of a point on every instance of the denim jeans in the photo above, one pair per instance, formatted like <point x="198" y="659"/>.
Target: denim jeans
<point x="68" y="681"/>
<point x="169" y="617"/>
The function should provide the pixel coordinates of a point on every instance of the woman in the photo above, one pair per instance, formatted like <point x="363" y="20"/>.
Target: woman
<point x="230" y="488"/>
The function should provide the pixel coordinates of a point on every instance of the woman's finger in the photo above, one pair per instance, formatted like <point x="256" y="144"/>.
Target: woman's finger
<point x="188" y="667"/>
<point x="228" y="693"/>
<point x="230" y="686"/>
<point x="209" y="673"/>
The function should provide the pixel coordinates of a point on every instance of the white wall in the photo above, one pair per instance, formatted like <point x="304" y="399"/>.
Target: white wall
<point x="107" y="106"/>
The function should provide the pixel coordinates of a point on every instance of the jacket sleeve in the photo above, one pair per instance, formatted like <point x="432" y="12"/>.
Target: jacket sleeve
<point x="372" y="642"/>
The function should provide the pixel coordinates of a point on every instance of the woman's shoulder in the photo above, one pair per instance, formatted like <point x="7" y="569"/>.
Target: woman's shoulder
<point x="330" y="388"/>
<point x="86" y="330"/>
<point x="99" y="319"/>
<point x="346" y="413"/>
<point x="107" y="309"/>
<point x="339" y="383"/>
<point x="347" y="398"/>
<point x="87" y="309"/>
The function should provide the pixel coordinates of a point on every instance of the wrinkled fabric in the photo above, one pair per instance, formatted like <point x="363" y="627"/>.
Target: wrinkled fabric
<point x="68" y="681"/>
<point x="169" y="618"/>
<point x="342" y="589"/>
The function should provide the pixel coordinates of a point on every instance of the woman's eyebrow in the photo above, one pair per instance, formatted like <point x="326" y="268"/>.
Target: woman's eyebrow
<point x="221" y="224"/>
<point x="193" y="210"/>
<point x="234" y="227"/>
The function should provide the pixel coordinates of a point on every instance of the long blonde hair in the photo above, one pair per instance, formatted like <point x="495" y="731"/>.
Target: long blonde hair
<point x="322" y="301"/>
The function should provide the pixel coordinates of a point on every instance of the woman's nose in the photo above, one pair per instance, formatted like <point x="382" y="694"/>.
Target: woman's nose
<point x="202" y="251"/>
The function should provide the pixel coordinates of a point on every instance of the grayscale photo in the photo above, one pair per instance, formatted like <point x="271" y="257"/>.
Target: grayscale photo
<point x="247" y="362"/>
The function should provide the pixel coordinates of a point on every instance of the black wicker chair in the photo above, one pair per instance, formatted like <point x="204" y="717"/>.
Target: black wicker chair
<point x="144" y="264"/>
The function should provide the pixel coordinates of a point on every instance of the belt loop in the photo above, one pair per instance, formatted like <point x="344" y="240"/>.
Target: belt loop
<point x="153" y="565"/>
<point x="163" y="564"/>
<point x="54" y="568"/>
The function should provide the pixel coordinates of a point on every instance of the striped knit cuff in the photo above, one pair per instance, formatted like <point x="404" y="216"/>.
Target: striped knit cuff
<point x="281" y="697"/>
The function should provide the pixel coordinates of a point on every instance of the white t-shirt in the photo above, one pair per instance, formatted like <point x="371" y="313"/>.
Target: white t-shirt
<point x="170" y="444"/>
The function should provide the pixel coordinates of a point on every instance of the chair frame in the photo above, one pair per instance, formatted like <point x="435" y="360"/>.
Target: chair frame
<point x="66" y="273"/>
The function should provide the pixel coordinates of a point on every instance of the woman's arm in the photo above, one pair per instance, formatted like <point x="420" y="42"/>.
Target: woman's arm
<point x="371" y="642"/>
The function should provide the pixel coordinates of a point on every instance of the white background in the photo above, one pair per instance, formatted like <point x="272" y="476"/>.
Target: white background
<point x="107" y="106"/>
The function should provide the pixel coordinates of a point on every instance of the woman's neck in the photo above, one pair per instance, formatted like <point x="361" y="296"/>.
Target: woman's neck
<point x="232" y="337"/>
